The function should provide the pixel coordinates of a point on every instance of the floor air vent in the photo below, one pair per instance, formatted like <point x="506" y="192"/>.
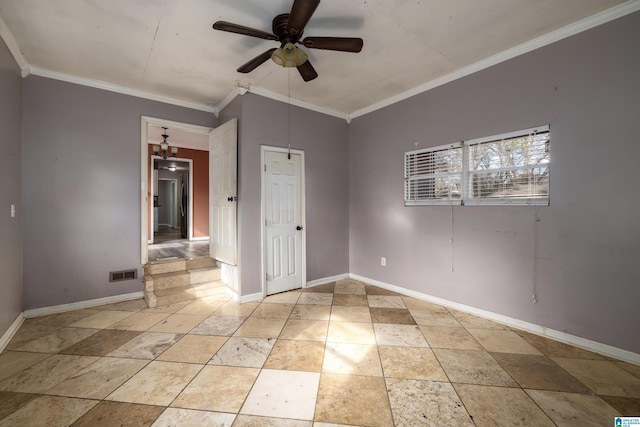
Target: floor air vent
<point x="118" y="276"/>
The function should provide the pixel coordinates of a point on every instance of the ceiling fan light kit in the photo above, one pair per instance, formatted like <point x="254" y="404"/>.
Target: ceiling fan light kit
<point x="287" y="29"/>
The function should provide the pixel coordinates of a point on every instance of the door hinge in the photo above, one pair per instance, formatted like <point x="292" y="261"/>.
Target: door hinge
<point x="265" y="167"/>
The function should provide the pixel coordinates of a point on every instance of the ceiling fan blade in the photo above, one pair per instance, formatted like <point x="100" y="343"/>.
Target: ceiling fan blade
<point x="307" y="71"/>
<point x="344" y="44"/>
<point x="255" y="62"/>
<point x="241" y="29"/>
<point x="301" y="12"/>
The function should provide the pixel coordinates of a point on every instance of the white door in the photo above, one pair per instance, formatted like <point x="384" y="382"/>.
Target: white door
<point x="223" y="196"/>
<point x="284" y="221"/>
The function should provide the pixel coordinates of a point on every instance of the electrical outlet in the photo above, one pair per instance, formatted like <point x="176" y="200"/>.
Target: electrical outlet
<point x="13" y="211"/>
<point x="383" y="261"/>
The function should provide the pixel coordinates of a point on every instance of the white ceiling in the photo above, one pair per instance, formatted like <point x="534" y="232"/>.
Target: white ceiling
<point x="166" y="49"/>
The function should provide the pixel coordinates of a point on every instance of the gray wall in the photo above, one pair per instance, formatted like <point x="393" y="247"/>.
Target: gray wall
<point x="324" y="140"/>
<point x="81" y="188"/>
<point x="11" y="229"/>
<point x="588" y="240"/>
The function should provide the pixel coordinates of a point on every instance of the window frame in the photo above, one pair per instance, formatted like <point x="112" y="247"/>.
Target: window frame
<point x="466" y="172"/>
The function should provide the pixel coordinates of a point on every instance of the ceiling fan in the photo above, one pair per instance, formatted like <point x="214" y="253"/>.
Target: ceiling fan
<point x="287" y="29"/>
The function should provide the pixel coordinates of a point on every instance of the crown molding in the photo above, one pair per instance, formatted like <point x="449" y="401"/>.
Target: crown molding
<point x="287" y="100"/>
<point x="544" y="40"/>
<point x="12" y="44"/>
<point x="98" y="84"/>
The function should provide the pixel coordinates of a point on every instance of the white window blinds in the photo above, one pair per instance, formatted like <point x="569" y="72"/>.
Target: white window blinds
<point x="434" y="175"/>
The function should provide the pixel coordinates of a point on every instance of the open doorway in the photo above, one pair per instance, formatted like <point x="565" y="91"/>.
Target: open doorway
<point x="175" y="196"/>
<point x="172" y="200"/>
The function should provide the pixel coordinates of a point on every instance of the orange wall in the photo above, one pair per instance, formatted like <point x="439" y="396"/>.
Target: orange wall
<point x="200" y="183"/>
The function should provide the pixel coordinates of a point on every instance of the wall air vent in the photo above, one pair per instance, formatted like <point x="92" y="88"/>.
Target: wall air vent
<point x="118" y="276"/>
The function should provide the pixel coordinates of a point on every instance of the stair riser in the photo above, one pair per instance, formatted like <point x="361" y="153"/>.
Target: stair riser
<point x="165" y="267"/>
<point x="204" y="276"/>
<point x="171" y="282"/>
<point x="201" y="263"/>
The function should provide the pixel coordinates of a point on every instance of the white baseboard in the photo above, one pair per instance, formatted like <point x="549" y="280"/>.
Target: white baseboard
<point x="251" y="297"/>
<point x="4" y="340"/>
<point x="197" y="239"/>
<point x="580" y="342"/>
<point x="326" y="280"/>
<point x="44" y="311"/>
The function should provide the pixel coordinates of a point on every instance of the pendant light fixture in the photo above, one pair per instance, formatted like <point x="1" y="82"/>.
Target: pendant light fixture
<point x="163" y="149"/>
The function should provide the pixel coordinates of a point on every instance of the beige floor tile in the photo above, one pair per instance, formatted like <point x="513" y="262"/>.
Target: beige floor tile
<point x="414" y="303"/>
<point x="245" y="352"/>
<point x="626" y="406"/>
<point x="384" y="301"/>
<point x="62" y="319"/>
<point x="353" y="399"/>
<point x="470" y="321"/>
<point x="632" y="369"/>
<point x="171" y="308"/>
<point x="102" y="319"/>
<point x="193" y="349"/>
<point x="501" y="406"/>
<point x="350" y="288"/>
<point x="99" y="379"/>
<point x="315" y="298"/>
<point x="156" y="384"/>
<point x="552" y="348"/>
<point x="101" y="343"/>
<point x="345" y="313"/>
<point x="58" y="340"/>
<point x="426" y="403"/>
<point x="218" y="325"/>
<point x="296" y="356"/>
<point x="254" y="421"/>
<point x="351" y="332"/>
<point x="41" y="376"/>
<point x="108" y="414"/>
<point x="400" y="335"/>
<point x="12" y="362"/>
<point x="411" y="363"/>
<point x="255" y="327"/>
<point x="400" y="316"/>
<point x="431" y="318"/>
<point x="502" y="341"/>
<point x="132" y="305"/>
<point x="603" y="377"/>
<point x="10" y="401"/>
<point x="49" y="411"/>
<point x="309" y="330"/>
<point x="323" y="288"/>
<point x="273" y="310"/>
<point x="574" y="410"/>
<point x="473" y="367"/>
<point x="352" y="359"/>
<point x="311" y="312"/>
<point x="350" y="300"/>
<point x="139" y="321"/>
<point x="236" y="309"/>
<point x="30" y="332"/>
<point x="188" y="417"/>
<point x="449" y="337"/>
<point x="232" y="387"/>
<point x="202" y="307"/>
<point x="283" y="298"/>
<point x="283" y="394"/>
<point x="539" y="372"/>
<point x="147" y="345"/>
<point x="178" y="323"/>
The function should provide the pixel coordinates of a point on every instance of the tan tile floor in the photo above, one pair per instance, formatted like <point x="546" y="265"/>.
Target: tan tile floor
<point x="337" y="354"/>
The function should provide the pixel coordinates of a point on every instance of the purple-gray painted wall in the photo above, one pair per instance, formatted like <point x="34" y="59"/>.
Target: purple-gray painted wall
<point x="81" y="188"/>
<point x="586" y="243"/>
<point x="11" y="228"/>
<point x="324" y="140"/>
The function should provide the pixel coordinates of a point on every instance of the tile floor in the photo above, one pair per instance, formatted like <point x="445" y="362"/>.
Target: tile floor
<point x="337" y="354"/>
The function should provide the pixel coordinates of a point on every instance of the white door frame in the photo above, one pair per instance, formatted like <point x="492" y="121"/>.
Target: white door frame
<point x="144" y="172"/>
<point x="190" y="219"/>
<point x="263" y="206"/>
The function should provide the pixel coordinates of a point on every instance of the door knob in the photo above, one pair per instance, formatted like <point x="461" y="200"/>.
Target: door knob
<point x="231" y="199"/>
<point x="299" y="228"/>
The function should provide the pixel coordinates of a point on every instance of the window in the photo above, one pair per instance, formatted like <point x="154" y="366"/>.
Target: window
<point x="508" y="169"/>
